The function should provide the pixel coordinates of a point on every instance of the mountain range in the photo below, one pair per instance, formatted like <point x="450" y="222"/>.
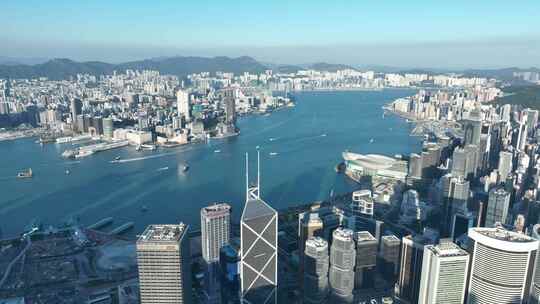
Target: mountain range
<point x="181" y="66"/>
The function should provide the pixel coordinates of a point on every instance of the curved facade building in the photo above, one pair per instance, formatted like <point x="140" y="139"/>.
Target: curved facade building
<point x="501" y="267"/>
<point x="316" y="270"/>
<point x="535" y="287"/>
<point x="342" y="262"/>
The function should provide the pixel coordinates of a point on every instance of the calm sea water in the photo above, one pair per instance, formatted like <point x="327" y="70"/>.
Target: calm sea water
<point x="308" y="140"/>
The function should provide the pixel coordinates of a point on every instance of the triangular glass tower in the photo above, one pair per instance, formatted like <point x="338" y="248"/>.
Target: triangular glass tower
<point x="258" y="247"/>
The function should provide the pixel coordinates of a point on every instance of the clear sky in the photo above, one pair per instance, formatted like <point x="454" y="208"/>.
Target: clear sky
<point x="407" y="33"/>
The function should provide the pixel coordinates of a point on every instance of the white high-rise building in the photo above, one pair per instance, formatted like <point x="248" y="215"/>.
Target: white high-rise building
<point x="342" y="262"/>
<point x="444" y="274"/>
<point x="502" y="266"/>
<point x="215" y="230"/>
<point x="505" y="164"/>
<point x="215" y="233"/>
<point x="182" y="104"/>
<point x="362" y="203"/>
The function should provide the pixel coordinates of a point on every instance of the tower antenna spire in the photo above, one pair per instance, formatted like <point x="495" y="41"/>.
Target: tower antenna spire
<point x="258" y="173"/>
<point x="247" y="176"/>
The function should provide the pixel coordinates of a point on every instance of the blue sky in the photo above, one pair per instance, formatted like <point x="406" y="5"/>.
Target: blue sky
<point x="389" y="32"/>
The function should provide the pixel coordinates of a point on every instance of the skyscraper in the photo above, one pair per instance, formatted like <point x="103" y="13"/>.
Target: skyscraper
<point x="410" y="270"/>
<point x="315" y="271"/>
<point x="389" y="256"/>
<point x="362" y="203"/>
<point x="215" y="230"/>
<point x="455" y="197"/>
<point x="215" y="233"/>
<point x="309" y="225"/>
<point x="505" y="164"/>
<point x="501" y="267"/>
<point x="415" y="166"/>
<point x="497" y="208"/>
<point x="182" y="104"/>
<point x="535" y="286"/>
<point x="258" y="247"/>
<point x="459" y="162"/>
<point x="473" y="127"/>
<point x="342" y="262"/>
<point x="164" y="261"/>
<point x="366" y="259"/>
<point x="230" y="110"/>
<point x="76" y="109"/>
<point x="444" y="274"/>
<point x="108" y="127"/>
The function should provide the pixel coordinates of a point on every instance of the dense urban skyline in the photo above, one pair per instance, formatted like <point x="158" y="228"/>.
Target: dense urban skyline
<point x="397" y="152"/>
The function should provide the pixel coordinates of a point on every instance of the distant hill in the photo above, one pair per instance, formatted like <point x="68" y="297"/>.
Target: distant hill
<point x="180" y="66"/>
<point x="526" y="96"/>
<point x="329" y="67"/>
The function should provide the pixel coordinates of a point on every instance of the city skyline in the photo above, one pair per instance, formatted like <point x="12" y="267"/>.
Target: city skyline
<point x="418" y="34"/>
<point x="400" y="143"/>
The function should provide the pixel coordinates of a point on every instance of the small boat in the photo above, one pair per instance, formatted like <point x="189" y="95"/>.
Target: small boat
<point x="272" y="139"/>
<point x="371" y="140"/>
<point x="25" y="174"/>
<point x="68" y="172"/>
<point x="257" y="147"/>
<point x="217" y="151"/>
<point x="138" y="148"/>
<point x="69" y="154"/>
<point x="144" y="208"/>
<point x="163" y="169"/>
<point x="273" y="153"/>
<point x="340" y="168"/>
<point x="117" y="158"/>
<point x="185" y="168"/>
<point x="323" y="135"/>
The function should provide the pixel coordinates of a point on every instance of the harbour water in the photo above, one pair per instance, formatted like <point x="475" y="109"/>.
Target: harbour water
<point x="299" y="148"/>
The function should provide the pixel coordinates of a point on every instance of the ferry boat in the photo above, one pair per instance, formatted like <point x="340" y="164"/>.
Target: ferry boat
<point x="148" y="147"/>
<point x="25" y="174"/>
<point x="63" y="140"/>
<point x="84" y="153"/>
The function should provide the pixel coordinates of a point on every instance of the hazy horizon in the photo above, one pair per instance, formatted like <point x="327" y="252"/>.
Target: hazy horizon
<point x="419" y="34"/>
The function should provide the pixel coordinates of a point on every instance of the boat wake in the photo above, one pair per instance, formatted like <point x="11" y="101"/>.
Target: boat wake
<point x="129" y="160"/>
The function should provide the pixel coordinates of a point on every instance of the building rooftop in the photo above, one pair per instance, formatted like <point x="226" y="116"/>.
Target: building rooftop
<point x="504" y="235"/>
<point x="163" y="233"/>
<point x="447" y="249"/>
<point x="316" y="242"/>
<point x="390" y="239"/>
<point x="364" y="236"/>
<point x="343" y="233"/>
<point x="217" y="209"/>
